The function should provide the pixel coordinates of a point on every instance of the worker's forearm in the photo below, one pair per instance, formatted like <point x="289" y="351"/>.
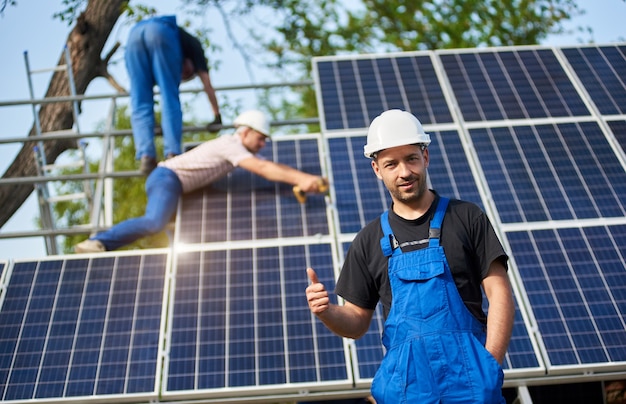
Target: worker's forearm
<point x="210" y="91"/>
<point x="342" y="322"/>
<point x="283" y="173"/>
<point x="213" y="101"/>
<point x="500" y="320"/>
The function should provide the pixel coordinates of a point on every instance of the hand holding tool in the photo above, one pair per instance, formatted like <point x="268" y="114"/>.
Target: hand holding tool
<point x="322" y="187"/>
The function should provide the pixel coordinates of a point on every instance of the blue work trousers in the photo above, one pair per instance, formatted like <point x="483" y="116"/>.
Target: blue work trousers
<point x="154" y="57"/>
<point x="163" y="189"/>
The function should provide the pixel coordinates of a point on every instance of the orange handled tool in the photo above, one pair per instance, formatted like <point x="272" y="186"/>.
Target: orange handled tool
<point x="322" y="187"/>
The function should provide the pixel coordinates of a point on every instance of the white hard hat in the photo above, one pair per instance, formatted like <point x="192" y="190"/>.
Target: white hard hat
<point x="253" y="119"/>
<point x="394" y="128"/>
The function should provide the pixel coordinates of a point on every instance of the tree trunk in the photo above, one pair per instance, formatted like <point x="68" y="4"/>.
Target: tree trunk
<point x="85" y="42"/>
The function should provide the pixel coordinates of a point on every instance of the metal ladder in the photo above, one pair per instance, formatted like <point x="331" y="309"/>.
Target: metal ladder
<point x="44" y="197"/>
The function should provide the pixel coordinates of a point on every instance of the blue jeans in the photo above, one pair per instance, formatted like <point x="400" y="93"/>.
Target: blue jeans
<point x="163" y="189"/>
<point x="154" y="57"/>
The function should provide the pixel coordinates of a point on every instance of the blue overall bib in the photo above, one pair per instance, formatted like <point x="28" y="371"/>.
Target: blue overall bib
<point x="435" y="346"/>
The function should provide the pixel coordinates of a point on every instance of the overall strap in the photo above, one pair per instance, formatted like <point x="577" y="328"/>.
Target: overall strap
<point x="434" y="232"/>
<point x="388" y="243"/>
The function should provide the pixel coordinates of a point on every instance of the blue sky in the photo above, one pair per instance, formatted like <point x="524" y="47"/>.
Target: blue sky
<point x="29" y="27"/>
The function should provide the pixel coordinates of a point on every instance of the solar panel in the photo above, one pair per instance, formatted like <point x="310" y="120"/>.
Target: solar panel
<point x="243" y="206"/>
<point x="576" y="285"/>
<point x="82" y="327"/>
<point x="239" y="320"/>
<point x="618" y="128"/>
<point x="547" y="172"/>
<point x="515" y="84"/>
<point x="355" y="90"/>
<point x="602" y="71"/>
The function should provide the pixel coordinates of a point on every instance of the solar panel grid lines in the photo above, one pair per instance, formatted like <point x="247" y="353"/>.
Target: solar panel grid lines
<point x="514" y="83"/>
<point x="392" y="80"/>
<point x="598" y="74"/>
<point x="601" y="70"/>
<point x="368" y="351"/>
<point x="5" y="270"/>
<point x="555" y="163"/>
<point x="243" y="206"/>
<point x="240" y="363"/>
<point x="576" y="285"/>
<point x="564" y="99"/>
<point x="540" y="199"/>
<point x="326" y="70"/>
<point x="521" y="359"/>
<point x="81" y="327"/>
<point x="349" y="190"/>
<point x="618" y="128"/>
<point x="255" y="323"/>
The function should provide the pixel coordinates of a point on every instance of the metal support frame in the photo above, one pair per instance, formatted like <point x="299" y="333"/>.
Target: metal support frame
<point x="45" y="200"/>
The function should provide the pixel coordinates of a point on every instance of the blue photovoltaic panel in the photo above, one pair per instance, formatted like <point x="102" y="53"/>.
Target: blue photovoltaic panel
<point x="548" y="172"/>
<point x="369" y="348"/>
<point x="515" y="84"/>
<point x="361" y="196"/>
<point x="449" y="169"/>
<point x="521" y="354"/>
<point x="353" y="92"/>
<point x="602" y="70"/>
<point x="240" y="320"/>
<point x="619" y="130"/>
<point x="576" y="284"/>
<point x="82" y="327"/>
<point x="244" y="206"/>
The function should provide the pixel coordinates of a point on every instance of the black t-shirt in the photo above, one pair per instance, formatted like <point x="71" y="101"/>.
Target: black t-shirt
<point x="192" y="49"/>
<point x="467" y="238"/>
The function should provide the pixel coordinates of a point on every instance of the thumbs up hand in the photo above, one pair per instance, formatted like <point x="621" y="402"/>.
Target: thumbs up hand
<point x="316" y="294"/>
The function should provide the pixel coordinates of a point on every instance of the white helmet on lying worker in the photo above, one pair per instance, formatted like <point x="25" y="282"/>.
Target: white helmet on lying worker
<point x="394" y="128"/>
<point x="254" y="119"/>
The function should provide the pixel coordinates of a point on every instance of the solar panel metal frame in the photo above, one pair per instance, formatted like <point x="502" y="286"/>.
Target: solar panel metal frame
<point x="582" y="367"/>
<point x="89" y="259"/>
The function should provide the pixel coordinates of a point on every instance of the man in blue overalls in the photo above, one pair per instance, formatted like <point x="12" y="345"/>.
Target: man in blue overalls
<point x="425" y="260"/>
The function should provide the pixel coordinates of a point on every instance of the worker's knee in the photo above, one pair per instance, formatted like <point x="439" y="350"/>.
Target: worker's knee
<point x="154" y="226"/>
